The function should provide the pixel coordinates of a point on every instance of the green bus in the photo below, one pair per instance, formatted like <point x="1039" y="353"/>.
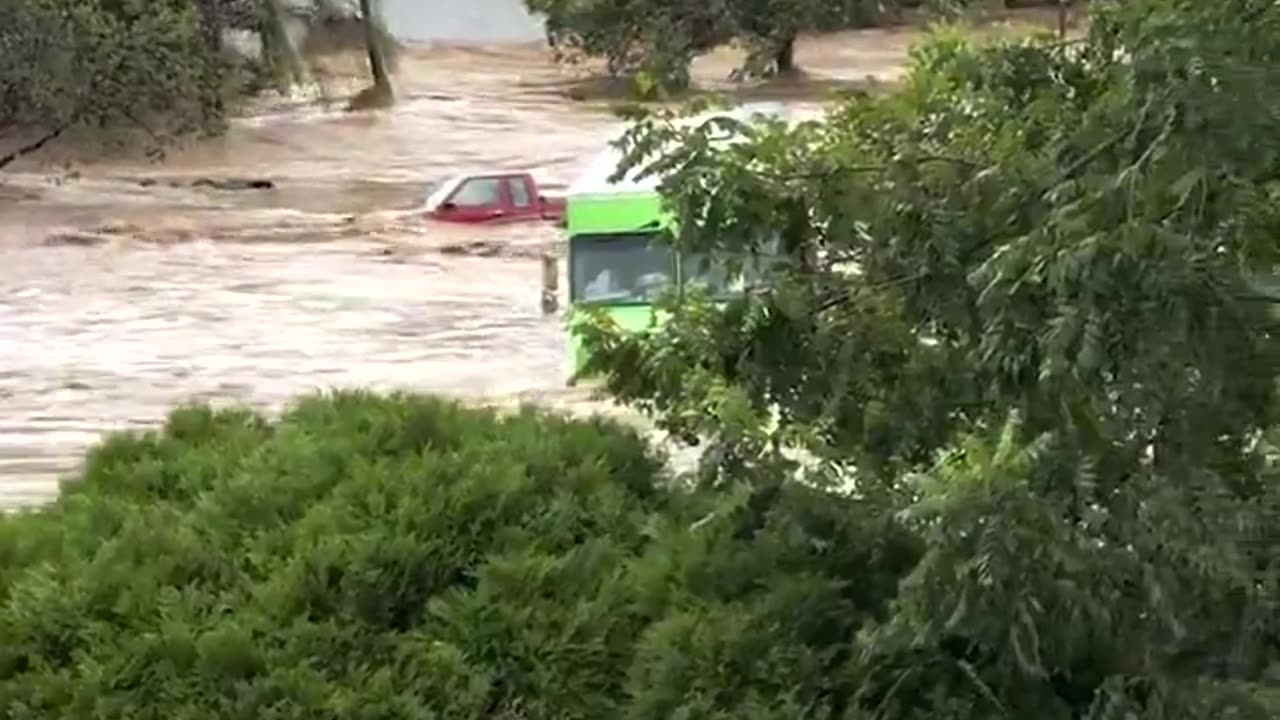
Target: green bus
<point x="618" y="259"/>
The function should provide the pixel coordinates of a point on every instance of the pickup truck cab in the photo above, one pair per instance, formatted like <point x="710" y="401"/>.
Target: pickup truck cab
<point x="499" y="197"/>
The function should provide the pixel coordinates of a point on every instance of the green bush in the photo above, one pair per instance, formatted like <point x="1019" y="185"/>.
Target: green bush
<point x="404" y="557"/>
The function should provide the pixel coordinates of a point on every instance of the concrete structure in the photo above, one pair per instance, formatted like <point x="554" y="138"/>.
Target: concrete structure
<point x="461" y="21"/>
<point x="416" y="21"/>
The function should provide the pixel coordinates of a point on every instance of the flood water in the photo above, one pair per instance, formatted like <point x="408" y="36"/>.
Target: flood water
<point x="113" y="343"/>
<point x="167" y="292"/>
<point x="327" y="280"/>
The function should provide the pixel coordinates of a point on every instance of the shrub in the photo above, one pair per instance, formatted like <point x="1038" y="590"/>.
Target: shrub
<point x="404" y="557"/>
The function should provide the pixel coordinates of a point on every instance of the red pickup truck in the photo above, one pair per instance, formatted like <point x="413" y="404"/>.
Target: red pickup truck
<point x="499" y="197"/>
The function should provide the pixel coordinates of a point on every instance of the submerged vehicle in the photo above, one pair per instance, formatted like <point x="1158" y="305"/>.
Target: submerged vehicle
<point x="618" y="257"/>
<point x="493" y="197"/>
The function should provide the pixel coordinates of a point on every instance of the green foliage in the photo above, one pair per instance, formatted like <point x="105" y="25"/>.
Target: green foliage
<point x="108" y="65"/>
<point x="768" y="28"/>
<point x="652" y="39"/>
<point x="1029" y="298"/>
<point x="403" y="557"/>
<point x="656" y="40"/>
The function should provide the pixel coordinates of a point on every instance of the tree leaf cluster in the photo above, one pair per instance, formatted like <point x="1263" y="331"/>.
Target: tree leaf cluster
<point x="1028" y="297"/>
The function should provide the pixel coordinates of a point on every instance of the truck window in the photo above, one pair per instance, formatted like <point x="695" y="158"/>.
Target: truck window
<point x="478" y="192"/>
<point x="519" y="192"/>
<point x="619" y="269"/>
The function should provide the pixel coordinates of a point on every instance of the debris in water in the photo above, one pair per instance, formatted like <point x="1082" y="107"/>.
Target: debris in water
<point x="78" y="238"/>
<point x="234" y="183"/>
<point x="474" y="248"/>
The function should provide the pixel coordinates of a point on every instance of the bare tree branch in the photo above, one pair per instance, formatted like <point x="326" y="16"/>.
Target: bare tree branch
<point x="35" y="145"/>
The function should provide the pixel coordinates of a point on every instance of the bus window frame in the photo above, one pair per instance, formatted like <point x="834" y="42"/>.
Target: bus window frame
<point x="576" y="241"/>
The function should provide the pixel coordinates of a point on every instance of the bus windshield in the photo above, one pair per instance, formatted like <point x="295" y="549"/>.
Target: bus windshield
<point x="620" y="269"/>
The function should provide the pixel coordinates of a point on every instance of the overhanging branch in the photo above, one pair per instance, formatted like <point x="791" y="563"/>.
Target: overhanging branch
<point x="35" y="145"/>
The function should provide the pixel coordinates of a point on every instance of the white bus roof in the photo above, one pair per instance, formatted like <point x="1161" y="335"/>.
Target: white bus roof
<point x="594" y="179"/>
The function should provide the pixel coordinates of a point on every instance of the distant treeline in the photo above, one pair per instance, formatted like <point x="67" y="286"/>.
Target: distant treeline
<point x="656" y="40"/>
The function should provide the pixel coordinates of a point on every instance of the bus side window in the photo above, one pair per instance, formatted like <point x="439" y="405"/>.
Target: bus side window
<point x="620" y="268"/>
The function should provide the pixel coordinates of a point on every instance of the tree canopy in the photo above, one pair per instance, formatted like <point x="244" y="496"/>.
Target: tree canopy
<point x="1025" y="299"/>
<point x="660" y="38"/>
<point x="139" y="65"/>
<point x="155" y="71"/>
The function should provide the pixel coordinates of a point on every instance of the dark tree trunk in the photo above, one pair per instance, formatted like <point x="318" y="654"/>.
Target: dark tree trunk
<point x="785" y="60"/>
<point x="377" y="56"/>
<point x="211" y="25"/>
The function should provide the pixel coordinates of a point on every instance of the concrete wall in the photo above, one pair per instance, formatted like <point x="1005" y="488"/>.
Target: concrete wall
<point x="455" y="21"/>
<point x="464" y="21"/>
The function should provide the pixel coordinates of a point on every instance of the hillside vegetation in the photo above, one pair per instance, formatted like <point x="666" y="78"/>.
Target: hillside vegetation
<point x="145" y="74"/>
<point x="106" y="66"/>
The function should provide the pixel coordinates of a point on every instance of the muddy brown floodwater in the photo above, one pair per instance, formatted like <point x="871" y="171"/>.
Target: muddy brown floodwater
<point x="326" y="280"/>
